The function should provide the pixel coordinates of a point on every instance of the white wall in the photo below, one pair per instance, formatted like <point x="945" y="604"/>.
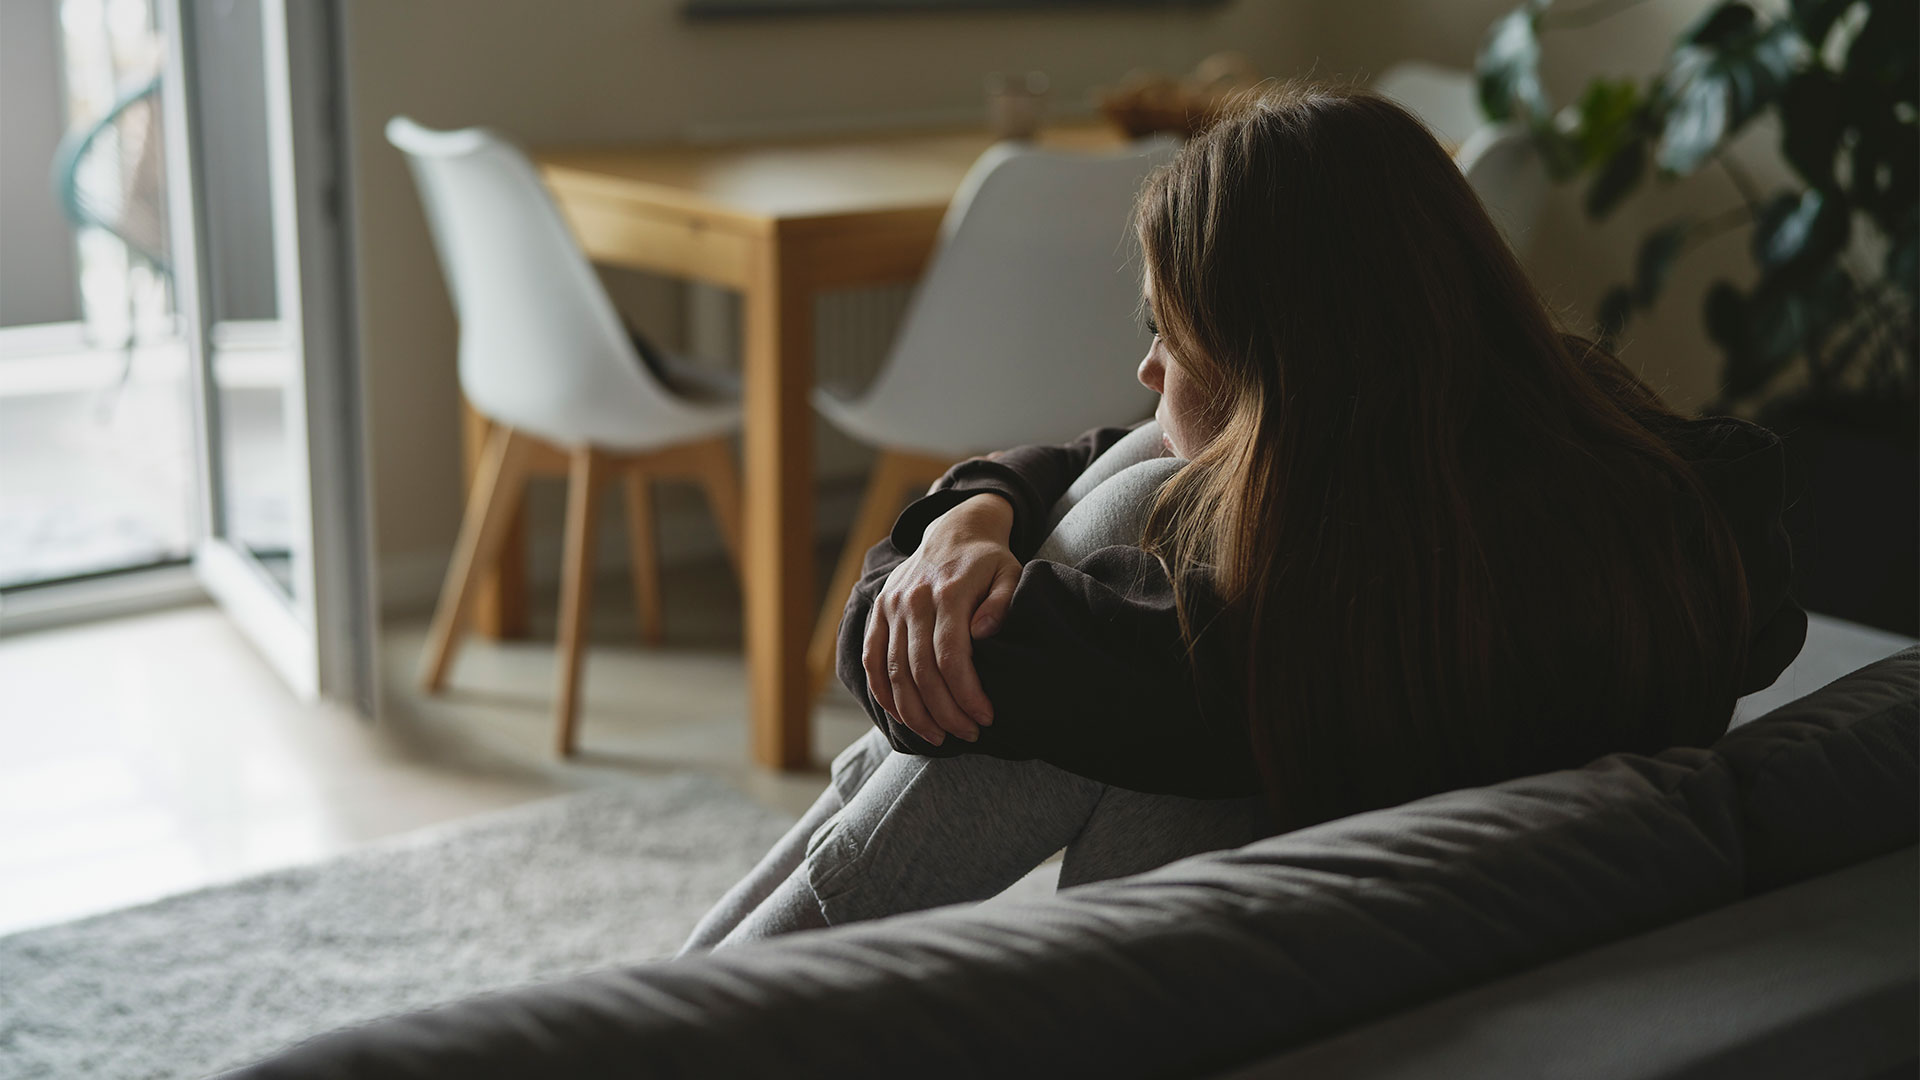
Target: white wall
<point x="629" y="70"/>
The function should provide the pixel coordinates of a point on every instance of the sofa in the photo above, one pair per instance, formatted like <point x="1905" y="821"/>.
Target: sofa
<point x="1743" y="910"/>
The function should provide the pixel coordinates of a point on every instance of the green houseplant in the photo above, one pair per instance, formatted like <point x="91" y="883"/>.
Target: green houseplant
<point x="1821" y="345"/>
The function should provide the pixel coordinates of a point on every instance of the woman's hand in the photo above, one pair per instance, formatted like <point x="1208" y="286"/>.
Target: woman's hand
<point x="919" y="646"/>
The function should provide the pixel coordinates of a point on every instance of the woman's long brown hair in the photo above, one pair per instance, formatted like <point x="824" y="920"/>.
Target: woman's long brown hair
<point x="1442" y="543"/>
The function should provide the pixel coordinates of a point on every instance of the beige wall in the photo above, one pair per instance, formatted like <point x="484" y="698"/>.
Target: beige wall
<point x="612" y="70"/>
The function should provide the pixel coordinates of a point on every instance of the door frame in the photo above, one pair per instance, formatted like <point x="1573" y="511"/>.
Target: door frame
<point x="322" y="641"/>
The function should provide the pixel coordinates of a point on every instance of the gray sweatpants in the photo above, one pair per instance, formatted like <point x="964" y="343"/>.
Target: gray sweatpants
<point x="894" y="833"/>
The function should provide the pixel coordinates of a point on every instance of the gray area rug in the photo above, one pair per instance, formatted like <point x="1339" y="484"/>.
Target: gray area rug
<point x="215" y="978"/>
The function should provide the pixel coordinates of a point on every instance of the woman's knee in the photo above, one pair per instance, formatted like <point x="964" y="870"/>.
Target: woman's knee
<point x="1131" y="832"/>
<point x="923" y="832"/>
<point x="855" y="765"/>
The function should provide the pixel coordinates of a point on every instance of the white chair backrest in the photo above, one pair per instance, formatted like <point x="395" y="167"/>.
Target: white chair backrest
<point x="1445" y="99"/>
<point x="541" y="346"/>
<point x="1504" y="169"/>
<point x="1025" y="327"/>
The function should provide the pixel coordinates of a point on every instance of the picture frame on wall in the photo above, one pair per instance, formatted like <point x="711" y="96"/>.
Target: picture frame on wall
<point x="725" y="9"/>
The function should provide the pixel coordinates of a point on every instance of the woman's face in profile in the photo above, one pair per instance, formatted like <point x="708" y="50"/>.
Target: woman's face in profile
<point x="1184" y="413"/>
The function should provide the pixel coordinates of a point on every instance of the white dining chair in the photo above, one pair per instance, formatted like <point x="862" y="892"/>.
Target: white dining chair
<point x="1504" y="169"/>
<point x="545" y="357"/>
<point x="1025" y="328"/>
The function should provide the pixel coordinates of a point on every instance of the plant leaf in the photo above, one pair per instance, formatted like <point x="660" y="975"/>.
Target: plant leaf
<point x="1558" y="152"/>
<point x="1726" y="315"/>
<point x="1884" y="173"/>
<point x="1616" y="308"/>
<point x="1696" y="119"/>
<point x="1826" y="305"/>
<point x="1508" y="67"/>
<point x="1759" y="334"/>
<point x="1776" y="327"/>
<point x="1815" y="18"/>
<point x="1903" y="258"/>
<point x="1812" y="120"/>
<point x="1606" y="119"/>
<point x="1655" y="262"/>
<point x="1793" y="314"/>
<point x="1713" y="91"/>
<point x="1884" y="51"/>
<point x="1725" y="23"/>
<point x="1807" y="228"/>
<point x="1616" y="179"/>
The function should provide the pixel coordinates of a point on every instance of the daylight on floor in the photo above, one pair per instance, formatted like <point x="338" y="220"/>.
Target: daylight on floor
<point x="1123" y="538"/>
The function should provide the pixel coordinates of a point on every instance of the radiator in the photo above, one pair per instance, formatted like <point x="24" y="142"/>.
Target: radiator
<point x="852" y="331"/>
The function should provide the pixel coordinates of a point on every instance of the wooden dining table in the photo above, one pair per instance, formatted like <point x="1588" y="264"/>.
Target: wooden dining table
<point x="781" y="222"/>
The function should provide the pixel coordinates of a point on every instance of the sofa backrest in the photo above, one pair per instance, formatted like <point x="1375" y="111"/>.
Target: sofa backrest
<point x="1816" y="979"/>
<point x="1218" y="959"/>
<point x="1832" y="778"/>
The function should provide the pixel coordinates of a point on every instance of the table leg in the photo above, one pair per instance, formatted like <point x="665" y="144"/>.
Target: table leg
<point x="778" y="459"/>
<point x="500" y="599"/>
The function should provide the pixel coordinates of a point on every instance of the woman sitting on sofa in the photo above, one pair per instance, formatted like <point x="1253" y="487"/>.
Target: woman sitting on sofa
<point x="1423" y="541"/>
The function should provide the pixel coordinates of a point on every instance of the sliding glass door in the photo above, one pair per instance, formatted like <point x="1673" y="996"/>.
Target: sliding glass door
<point x="95" y="432"/>
<point x="257" y="181"/>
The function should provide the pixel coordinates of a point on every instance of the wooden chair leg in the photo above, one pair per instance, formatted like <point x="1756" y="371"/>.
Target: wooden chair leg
<point x="586" y="472"/>
<point x="893" y="475"/>
<point x="646" y="555"/>
<point x="499" y="605"/>
<point x="721" y="481"/>
<point x="491" y="507"/>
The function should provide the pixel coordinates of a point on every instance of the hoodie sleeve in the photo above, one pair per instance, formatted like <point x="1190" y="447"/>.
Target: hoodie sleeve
<point x="1088" y="673"/>
<point x="1031" y="478"/>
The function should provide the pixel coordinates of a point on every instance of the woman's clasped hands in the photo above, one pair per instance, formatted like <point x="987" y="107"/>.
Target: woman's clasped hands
<point x="954" y="588"/>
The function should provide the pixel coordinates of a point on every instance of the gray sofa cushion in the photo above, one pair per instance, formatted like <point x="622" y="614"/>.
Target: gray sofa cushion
<point x="1200" y="964"/>
<point x="1817" y="979"/>
<point x="1209" y="962"/>
<point x="1832" y="778"/>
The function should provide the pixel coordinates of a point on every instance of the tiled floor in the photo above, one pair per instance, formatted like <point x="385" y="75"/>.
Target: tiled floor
<point x="153" y="754"/>
<point x="644" y="710"/>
